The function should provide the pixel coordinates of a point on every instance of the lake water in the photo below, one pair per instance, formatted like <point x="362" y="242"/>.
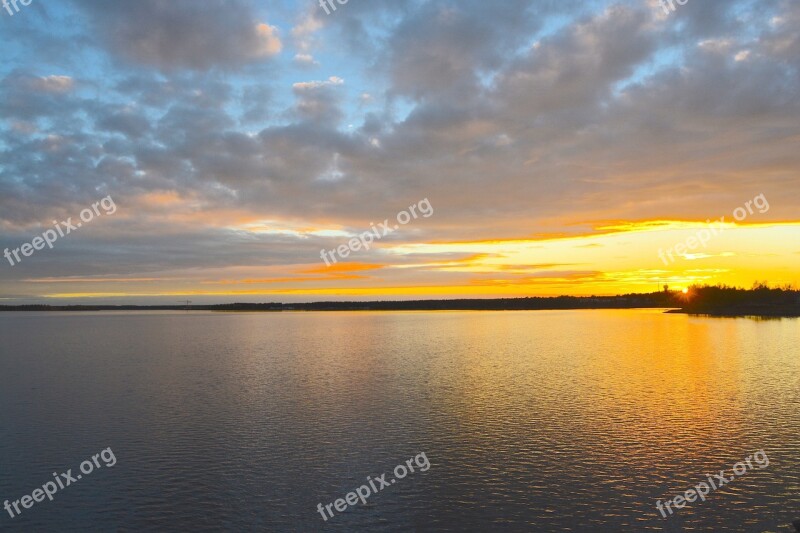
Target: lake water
<point x="531" y="421"/>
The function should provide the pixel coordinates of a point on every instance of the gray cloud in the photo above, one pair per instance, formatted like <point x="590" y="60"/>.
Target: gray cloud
<point x="183" y="34"/>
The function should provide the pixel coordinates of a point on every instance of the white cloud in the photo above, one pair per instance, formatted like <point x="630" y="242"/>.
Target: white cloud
<point x="54" y="84"/>
<point x="311" y="85"/>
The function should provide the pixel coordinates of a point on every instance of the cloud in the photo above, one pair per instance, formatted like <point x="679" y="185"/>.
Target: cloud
<point x="319" y="101"/>
<point x="269" y="42"/>
<point x="516" y="119"/>
<point x="303" y="33"/>
<point x="27" y="96"/>
<point x="124" y="120"/>
<point x="314" y="85"/>
<point x="184" y="34"/>
<point x="305" y="60"/>
<point x="52" y="84"/>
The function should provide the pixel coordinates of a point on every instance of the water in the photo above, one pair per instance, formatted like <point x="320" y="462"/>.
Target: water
<point x="532" y="421"/>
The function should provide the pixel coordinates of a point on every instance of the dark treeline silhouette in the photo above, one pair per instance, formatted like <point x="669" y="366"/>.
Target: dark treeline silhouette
<point x="761" y="300"/>
<point x="717" y="300"/>
<point x="655" y="300"/>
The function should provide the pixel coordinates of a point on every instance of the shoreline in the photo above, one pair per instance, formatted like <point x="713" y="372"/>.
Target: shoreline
<point x="760" y="301"/>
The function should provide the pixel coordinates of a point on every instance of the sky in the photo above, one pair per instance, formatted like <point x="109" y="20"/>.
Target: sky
<point x="211" y="151"/>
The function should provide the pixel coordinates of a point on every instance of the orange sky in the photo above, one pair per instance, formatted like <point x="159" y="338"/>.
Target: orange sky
<point x="615" y="260"/>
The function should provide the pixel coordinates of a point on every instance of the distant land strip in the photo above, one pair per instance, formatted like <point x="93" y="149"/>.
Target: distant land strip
<point x="715" y="301"/>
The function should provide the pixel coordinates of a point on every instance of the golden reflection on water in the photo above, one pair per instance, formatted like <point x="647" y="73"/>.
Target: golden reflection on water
<point x="656" y="384"/>
<point x="615" y="406"/>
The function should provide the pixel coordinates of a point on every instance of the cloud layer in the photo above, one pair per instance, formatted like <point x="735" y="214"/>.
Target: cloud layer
<point x="517" y="120"/>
